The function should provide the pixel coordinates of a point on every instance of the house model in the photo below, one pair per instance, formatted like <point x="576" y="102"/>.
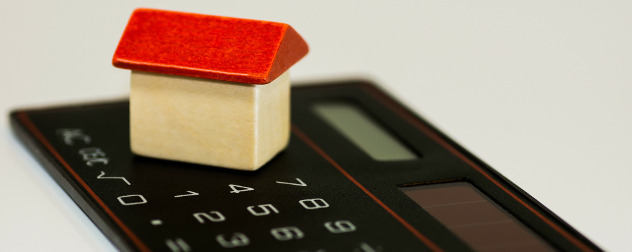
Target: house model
<point x="206" y="89"/>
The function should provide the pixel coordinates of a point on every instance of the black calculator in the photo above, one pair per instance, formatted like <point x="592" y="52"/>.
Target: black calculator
<point x="362" y="173"/>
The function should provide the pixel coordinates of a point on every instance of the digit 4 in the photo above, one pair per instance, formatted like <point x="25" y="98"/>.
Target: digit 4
<point x="239" y="188"/>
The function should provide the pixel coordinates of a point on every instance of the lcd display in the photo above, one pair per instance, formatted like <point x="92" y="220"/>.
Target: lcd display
<point x="363" y="131"/>
<point x="475" y="218"/>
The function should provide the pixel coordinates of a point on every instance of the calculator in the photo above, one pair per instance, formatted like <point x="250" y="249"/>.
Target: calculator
<point x="361" y="173"/>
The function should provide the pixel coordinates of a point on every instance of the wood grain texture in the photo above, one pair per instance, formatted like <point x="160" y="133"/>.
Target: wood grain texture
<point x="205" y="46"/>
<point x="210" y="122"/>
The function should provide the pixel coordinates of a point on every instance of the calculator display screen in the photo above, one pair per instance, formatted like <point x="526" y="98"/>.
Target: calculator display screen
<point x="475" y="218"/>
<point x="363" y="131"/>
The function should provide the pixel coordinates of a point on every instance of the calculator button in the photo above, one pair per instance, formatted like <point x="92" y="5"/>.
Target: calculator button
<point x="212" y="216"/>
<point x="177" y="245"/>
<point x="261" y="210"/>
<point x="239" y="188"/>
<point x="341" y="226"/>
<point x="130" y="200"/>
<point x="287" y="233"/>
<point x="102" y="176"/>
<point x="93" y="156"/>
<point x="365" y="247"/>
<point x="188" y="194"/>
<point x="234" y="240"/>
<point x="311" y="204"/>
<point x="69" y="136"/>
<point x="300" y="183"/>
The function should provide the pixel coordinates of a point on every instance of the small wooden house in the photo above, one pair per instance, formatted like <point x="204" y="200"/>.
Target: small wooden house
<point x="207" y="89"/>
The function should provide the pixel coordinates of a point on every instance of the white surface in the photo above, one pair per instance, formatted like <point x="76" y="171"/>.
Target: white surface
<point x="540" y="90"/>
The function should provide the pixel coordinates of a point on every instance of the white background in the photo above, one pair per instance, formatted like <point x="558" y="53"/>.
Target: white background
<point x="541" y="90"/>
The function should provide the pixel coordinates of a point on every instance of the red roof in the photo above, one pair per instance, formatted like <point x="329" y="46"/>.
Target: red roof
<point x="212" y="47"/>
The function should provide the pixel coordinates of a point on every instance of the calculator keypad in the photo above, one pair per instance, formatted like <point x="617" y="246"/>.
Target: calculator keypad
<point x="298" y="202"/>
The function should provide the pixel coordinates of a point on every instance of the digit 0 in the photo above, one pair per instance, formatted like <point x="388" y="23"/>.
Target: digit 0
<point x="130" y="200"/>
